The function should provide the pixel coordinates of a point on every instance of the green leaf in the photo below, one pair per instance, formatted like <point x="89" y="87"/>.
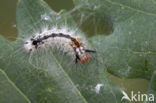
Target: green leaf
<point x="130" y="50"/>
<point x="9" y="93"/>
<point x="6" y="48"/>
<point x="51" y="77"/>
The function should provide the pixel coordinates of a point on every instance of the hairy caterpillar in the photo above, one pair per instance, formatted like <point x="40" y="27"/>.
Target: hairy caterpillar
<point x="62" y="39"/>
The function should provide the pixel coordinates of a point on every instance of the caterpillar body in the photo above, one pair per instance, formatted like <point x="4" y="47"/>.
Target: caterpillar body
<point x="65" y="41"/>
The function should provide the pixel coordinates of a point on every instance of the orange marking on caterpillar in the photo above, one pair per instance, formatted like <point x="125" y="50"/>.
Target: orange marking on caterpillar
<point x="84" y="60"/>
<point x="76" y="43"/>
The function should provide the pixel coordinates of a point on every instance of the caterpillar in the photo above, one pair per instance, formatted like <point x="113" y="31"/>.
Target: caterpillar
<point x="65" y="41"/>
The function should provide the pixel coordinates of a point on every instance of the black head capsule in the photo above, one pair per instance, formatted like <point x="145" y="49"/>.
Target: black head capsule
<point x="34" y="42"/>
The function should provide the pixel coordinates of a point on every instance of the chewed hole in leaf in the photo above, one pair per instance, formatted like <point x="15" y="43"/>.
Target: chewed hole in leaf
<point x="91" y="22"/>
<point x="96" y="26"/>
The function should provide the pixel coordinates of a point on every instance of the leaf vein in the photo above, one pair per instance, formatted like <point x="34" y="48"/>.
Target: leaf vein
<point x="20" y="92"/>
<point x="137" y="10"/>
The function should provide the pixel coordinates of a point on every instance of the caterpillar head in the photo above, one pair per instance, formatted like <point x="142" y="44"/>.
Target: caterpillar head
<point x="28" y="46"/>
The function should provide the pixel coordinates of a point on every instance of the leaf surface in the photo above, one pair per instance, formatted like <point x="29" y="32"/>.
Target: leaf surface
<point x="51" y="76"/>
<point x="130" y="50"/>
